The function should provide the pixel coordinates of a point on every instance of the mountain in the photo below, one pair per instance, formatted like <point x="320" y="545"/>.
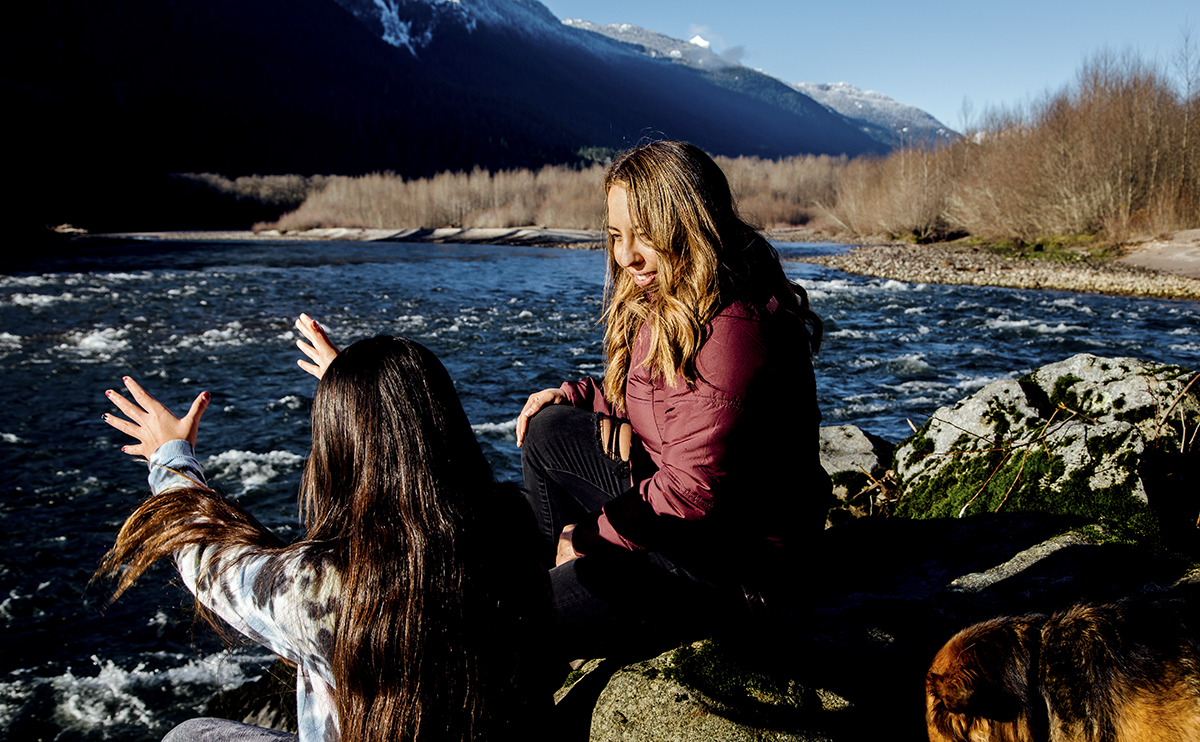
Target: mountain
<point x="607" y="91"/>
<point x="110" y="96"/>
<point x="876" y="115"/>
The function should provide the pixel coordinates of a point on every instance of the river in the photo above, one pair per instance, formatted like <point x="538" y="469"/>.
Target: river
<point x="506" y="321"/>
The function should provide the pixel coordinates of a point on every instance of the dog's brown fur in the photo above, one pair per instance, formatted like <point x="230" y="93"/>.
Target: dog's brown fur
<point x="1124" y="672"/>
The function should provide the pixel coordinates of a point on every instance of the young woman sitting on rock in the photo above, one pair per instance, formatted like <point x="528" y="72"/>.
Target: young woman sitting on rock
<point x="686" y="482"/>
<point x="411" y="607"/>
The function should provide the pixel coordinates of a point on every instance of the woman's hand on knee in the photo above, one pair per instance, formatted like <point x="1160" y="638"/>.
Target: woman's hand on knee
<point x="537" y="401"/>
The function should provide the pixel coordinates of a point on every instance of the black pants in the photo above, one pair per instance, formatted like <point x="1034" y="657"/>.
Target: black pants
<point x="616" y="602"/>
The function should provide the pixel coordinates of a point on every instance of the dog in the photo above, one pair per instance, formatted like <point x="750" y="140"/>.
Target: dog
<point x="1121" y="672"/>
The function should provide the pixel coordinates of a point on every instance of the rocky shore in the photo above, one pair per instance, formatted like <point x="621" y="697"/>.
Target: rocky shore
<point x="978" y="266"/>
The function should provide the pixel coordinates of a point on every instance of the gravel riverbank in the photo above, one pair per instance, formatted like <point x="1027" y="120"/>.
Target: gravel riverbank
<point x="977" y="266"/>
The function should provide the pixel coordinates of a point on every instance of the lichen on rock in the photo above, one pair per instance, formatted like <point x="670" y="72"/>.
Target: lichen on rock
<point x="702" y="691"/>
<point x="1072" y="438"/>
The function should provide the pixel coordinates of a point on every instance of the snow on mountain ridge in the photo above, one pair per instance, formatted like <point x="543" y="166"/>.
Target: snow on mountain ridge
<point x="877" y="115"/>
<point x="905" y="124"/>
<point x="412" y="24"/>
<point x="656" y="45"/>
<point x="398" y="32"/>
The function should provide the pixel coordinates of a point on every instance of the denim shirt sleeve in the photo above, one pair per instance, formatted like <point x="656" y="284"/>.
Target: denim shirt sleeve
<point x="174" y="465"/>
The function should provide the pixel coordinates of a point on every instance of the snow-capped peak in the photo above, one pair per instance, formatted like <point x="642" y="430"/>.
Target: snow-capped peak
<point x="695" y="53"/>
<point x="875" y="114"/>
<point x="900" y="123"/>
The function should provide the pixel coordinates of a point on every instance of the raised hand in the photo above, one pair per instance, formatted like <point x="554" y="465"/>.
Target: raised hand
<point x="151" y="422"/>
<point x="322" y="352"/>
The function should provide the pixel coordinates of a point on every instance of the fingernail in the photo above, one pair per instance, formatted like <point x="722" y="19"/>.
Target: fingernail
<point x="108" y="392"/>
<point x="123" y="449"/>
<point x="104" y="417"/>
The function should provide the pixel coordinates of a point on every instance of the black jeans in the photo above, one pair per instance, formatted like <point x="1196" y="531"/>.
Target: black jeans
<point x="616" y="602"/>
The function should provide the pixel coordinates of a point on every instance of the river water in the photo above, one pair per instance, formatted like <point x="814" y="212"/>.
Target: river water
<point x="506" y="321"/>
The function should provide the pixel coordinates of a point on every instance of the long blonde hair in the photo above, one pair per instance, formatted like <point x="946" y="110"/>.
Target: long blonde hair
<point x="708" y="256"/>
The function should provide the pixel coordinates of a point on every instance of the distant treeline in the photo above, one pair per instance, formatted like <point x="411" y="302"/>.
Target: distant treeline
<point x="1115" y="153"/>
<point x="770" y="192"/>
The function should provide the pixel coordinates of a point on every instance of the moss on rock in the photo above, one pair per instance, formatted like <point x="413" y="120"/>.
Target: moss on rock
<point x="1066" y="439"/>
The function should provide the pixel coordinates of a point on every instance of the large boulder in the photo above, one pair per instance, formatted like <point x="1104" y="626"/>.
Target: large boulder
<point x="886" y="595"/>
<point x="1113" y="440"/>
<point x="698" y="694"/>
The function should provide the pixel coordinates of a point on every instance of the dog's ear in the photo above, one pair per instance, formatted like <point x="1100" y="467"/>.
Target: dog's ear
<point x="983" y="671"/>
<point x="954" y="691"/>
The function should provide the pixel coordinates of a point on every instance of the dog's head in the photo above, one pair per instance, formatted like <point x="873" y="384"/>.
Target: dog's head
<point x="980" y="685"/>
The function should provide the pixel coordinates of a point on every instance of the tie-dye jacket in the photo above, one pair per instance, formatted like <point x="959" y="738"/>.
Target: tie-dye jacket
<point x="287" y="604"/>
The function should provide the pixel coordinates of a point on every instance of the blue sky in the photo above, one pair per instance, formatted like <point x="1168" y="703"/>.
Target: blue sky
<point x="933" y="54"/>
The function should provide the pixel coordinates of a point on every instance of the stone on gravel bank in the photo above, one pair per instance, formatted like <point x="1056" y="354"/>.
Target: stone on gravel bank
<point x="959" y="264"/>
<point x="860" y="466"/>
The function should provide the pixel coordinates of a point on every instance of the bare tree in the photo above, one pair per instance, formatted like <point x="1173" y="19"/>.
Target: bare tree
<point x="1187" y="69"/>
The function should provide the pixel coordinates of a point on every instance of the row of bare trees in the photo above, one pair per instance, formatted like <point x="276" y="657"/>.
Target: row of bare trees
<point x="1113" y="154"/>
<point x="1116" y="152"/>
<point x="771" y="192"/>
<point x="554" y="196"/>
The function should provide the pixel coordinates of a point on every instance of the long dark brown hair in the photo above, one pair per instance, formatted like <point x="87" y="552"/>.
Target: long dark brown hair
<point x="435" y="613"/>
<point x="708" y="256"/>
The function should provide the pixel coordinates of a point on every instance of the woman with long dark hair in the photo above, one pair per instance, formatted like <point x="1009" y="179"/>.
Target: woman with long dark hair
<point x="411" y="608"/>
<point x="687" y="482"/>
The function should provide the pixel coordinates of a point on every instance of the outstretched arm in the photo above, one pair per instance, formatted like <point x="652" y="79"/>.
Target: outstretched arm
<point x="322" y="352"/>
<point x="151" y="422"/>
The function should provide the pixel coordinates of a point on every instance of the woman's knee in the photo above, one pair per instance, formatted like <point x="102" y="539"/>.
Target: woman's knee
<point x="553" y="416"/>
<point x="552" y="425"/>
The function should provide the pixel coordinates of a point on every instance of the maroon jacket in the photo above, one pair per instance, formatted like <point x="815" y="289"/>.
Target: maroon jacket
<point x="733" y="464"/>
